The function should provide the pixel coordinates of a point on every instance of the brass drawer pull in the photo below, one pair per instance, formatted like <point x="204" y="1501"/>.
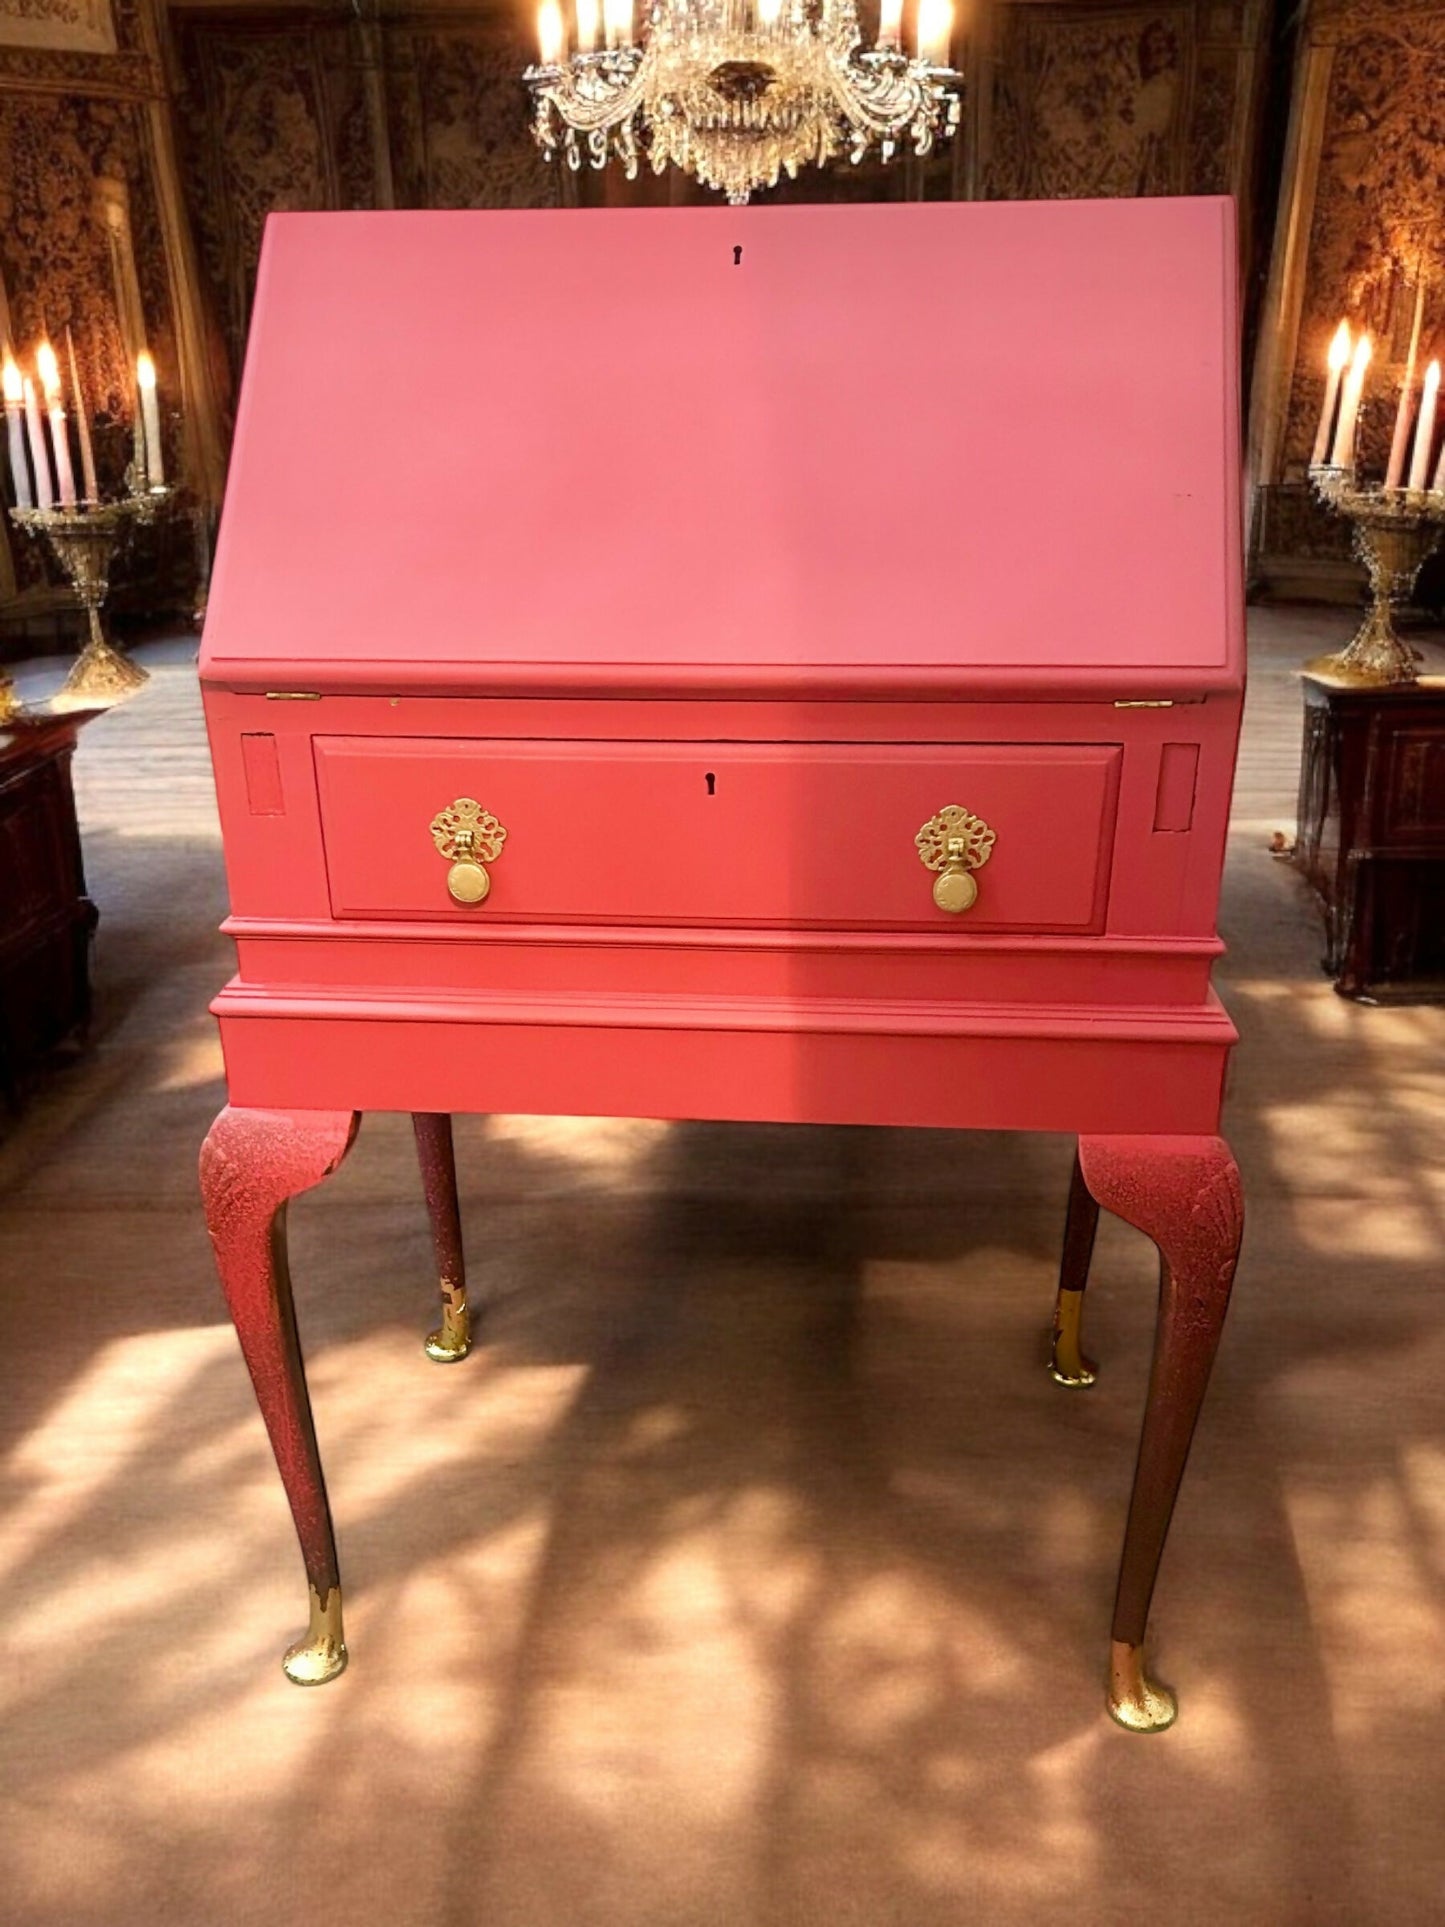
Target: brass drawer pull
<point x="955" y="843"/>
<point x="468" y="837"/>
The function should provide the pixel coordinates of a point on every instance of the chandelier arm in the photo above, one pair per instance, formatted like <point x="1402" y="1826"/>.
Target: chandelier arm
<point x="884" y="102"/>
<point x="577" y="98"/>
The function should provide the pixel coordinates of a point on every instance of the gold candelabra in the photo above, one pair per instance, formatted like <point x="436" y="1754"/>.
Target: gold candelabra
<point x="85" y="540"/>
<point x="1395" y="531"/>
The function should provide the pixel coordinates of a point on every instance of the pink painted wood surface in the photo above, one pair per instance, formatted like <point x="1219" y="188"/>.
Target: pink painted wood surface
<point x="995" y="1067"/>
<point x="541" y="960"/>
<point x="252" y="1163"/>
<point x="665" y="833"/>
<point x="771" y="950"/>
<point x="480" y="451"/>
<point x="1184" y="1193"/>
<point x="1159" y="884"/>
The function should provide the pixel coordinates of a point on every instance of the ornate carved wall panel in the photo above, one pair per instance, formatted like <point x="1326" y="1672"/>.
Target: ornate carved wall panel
<point x="463" y="139"/>
<point x="279" y="111"/>
<point x="1107" y="100"/>
<point x="271" y="118"/>
<point x="1379" y="206"/>
<point x="73" y="26"/>
<point x="1361" y="215"/>
<point x="82" y="244"/>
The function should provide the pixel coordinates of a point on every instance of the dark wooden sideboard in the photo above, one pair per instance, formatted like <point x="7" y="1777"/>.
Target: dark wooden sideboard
<point x="46" y="919"/>
<point x="1372" y="834"/>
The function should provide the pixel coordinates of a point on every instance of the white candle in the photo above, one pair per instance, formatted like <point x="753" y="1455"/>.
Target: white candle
<point x="1425" y="428"/>
<point x="618" y="17"/>
<point x="55" y="408"/>
<point x="587" y="22"/>
<point x="14" y="414"/>
<point x="890" y="24"/>
<point x="1338" y="356"/>
<point x="39" y="457"/>
<point x="145" y="376"/>
<point x="935" y="31"/>
<point x="551" y="34"/>
<point x="82" y="424"/>
<point x="1342" y="455"/>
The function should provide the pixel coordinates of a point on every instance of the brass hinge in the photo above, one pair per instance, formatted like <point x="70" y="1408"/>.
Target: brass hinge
<point x="293" y="695"/>
<point x="1145" y="702"/>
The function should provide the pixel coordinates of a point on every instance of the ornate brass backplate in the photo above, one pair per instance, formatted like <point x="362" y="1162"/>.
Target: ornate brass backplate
<point x="468" y="837"/>
<point x="955" y="843"/>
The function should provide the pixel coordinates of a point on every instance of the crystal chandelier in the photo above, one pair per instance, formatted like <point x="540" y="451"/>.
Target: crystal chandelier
<point x="739" y="92"/>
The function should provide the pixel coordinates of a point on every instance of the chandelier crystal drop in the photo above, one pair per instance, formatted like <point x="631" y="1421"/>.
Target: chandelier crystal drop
<point x="739" y="93"/>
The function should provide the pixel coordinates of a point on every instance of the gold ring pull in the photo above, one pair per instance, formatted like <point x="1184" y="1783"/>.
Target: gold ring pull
<point x="468" y="837"/>
<point x="955" y="843"/>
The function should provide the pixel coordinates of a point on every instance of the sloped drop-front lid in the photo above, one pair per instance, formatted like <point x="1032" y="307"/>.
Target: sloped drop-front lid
<point x="889" y="448"/>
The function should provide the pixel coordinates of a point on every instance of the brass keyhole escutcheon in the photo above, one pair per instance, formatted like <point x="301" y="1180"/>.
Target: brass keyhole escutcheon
<point x="470" y="838"/>
<point x="955" y="843"/>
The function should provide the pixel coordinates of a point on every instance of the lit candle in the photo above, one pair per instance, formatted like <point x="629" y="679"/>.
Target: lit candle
<point x="587" y="21"/>
<point x="145" y="376"/>
<point x="551" y="34"/>
<point x="39" y="458"/>
<point x="54" y="407"/>
<point x="14" y="413"/>
<point x="1400" y="441"/>
<point x="1425" y="428"/>
<point x="1342" y="455"/>
<point x="618" y="17"/>
<point x="82" y="424"/>
<point x="890" y="24"/>
<point x="935" y="31"/>
<point x="1339" y="355"/>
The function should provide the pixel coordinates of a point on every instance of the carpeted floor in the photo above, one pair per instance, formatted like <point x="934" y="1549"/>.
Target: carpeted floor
<point x="754" y="1574"/>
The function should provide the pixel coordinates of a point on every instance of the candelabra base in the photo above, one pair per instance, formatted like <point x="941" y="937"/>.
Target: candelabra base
<point x="1395" y="532"/>
<point x="101" y="674"/>
<point x="84" y="539"/>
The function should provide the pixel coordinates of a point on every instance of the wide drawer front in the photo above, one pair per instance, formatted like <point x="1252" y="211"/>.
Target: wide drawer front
<point x="760" y="833"/>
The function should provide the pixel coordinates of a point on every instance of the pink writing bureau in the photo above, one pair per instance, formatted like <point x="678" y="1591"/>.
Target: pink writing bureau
<point x="770" y="664"/>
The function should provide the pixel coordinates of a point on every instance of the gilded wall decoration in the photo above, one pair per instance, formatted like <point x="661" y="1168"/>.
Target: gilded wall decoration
<point x="274" y="116"/>
<point x="1090" y="102"/>
<point x="56" y="254"/>
<point x="1098" y="100"/>
<point x="259" y="124"/>
<point x="1377" y="209"/>
<point x="71" y="26"/>
<point x="476" y="149"/>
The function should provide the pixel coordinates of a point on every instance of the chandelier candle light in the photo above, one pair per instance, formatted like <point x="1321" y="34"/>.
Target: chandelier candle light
<point x="1395" y="528"/>
<point x="739" y="92"/>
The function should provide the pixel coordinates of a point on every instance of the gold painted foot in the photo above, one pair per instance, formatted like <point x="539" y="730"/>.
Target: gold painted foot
<point x="322" y="1654"/>
<point x="453" y="1338"/>
<point x="1068" y="1365"/>
<point x="1137" y="1702"/>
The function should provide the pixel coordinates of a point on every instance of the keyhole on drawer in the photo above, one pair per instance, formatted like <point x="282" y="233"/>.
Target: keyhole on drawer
<point x="711" y="782"/>
<point x="737" y="257"/>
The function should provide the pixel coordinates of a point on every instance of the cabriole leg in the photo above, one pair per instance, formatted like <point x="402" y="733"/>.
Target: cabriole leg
<point x="453" y="1339"/>
<point x="1184" y="1193"/>
<point x="1067" y="1363"/>
<point x="252" y="1162"/>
